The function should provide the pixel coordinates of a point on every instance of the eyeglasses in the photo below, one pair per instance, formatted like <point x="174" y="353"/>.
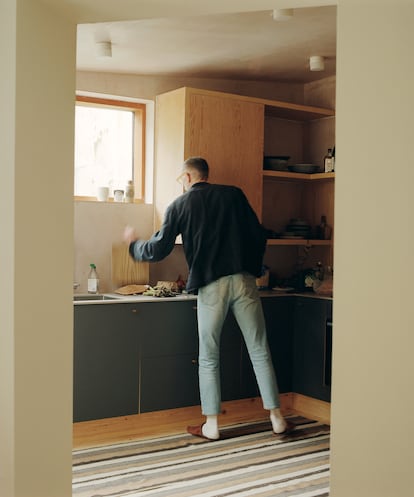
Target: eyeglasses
<point x="180" y="178"/>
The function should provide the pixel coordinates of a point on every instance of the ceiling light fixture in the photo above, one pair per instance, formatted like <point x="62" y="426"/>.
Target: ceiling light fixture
<point x="103" y="49"/>
<point x="282" y="14"/>
<point x="316" y="63"/>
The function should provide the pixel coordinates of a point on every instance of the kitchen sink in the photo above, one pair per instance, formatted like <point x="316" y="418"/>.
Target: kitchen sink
<point x="80" y="298"/>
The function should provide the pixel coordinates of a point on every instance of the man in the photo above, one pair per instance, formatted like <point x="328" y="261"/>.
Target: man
<point x="224" y="244"/>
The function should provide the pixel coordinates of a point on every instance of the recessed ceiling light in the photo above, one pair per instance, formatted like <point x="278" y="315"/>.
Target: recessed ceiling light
<point x="316" y="63"/>
<point x="103" y="49"/>
<point x="282" y="14"/>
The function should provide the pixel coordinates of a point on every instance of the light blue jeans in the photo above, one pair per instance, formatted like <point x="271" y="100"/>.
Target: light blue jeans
<point x="239" y="293"/>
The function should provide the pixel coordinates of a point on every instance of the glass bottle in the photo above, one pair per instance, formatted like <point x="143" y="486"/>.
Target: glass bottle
<point x="129" y="192"/>
<point x="324" y="231"/>
<point x="328" y="162"/>
<point x="93" y="280"/>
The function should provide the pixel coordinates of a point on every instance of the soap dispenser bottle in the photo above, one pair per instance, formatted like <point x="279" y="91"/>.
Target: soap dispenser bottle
<point x="93" y="280"/>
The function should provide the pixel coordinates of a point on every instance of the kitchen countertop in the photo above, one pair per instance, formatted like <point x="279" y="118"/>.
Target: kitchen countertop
<point x="114" y="298"/>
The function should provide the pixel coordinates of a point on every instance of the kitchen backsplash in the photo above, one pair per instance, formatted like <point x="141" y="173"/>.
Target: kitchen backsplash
<point x="98" y="225"/>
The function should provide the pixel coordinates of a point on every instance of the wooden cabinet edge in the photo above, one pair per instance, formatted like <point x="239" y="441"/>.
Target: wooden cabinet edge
<point x="276" y="108"/>
<point x="285" y="175"/>
<point x="295" y="241"/>
<point x="296" y="111"/>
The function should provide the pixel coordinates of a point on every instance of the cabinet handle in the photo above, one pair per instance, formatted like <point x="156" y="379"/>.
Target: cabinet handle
<point x="193" y="361"/>
<point x="195" y="307"/>
<point x="134" y="311"/>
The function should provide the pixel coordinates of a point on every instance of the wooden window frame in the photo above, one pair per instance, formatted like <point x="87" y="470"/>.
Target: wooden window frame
<point x="139" y="111"/>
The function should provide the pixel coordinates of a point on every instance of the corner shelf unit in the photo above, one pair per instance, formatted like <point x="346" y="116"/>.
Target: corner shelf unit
<point x="302" y="179"/>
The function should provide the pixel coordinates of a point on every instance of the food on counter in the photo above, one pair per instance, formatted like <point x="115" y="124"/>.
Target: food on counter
<point x="159" y="291"/>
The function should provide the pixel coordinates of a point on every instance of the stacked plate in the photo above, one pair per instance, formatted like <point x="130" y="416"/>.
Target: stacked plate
<point x="304" y="168"/>
<point x="297" y="228"/>
<point x="276" y="162"/>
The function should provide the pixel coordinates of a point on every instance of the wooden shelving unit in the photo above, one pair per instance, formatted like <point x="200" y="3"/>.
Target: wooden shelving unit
<point x="234" y="132"/>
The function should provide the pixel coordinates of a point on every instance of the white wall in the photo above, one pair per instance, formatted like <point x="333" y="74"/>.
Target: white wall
<point x="372" y="391"/>
<point x="98" y="225"/>
<point x="148" y="87"/>
<point x="372" y="432"/>
<point x="36" y="128"/>
<point x="7" y="155"/>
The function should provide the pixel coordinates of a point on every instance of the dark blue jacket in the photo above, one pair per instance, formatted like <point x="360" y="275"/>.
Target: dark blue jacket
<point x="220" y="231"/>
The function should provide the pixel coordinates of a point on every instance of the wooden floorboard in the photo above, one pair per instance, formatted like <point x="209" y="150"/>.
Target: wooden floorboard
<point x="168" y="422"/>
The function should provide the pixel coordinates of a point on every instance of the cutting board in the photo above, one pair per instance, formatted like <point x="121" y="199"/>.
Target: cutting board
<point x="126" y="271"/>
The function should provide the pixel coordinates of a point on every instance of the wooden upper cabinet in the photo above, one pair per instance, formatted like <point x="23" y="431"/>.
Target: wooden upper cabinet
<point x="233" y="133"/>
<point x="228" y="133"/>
<point x="226" y="130"/>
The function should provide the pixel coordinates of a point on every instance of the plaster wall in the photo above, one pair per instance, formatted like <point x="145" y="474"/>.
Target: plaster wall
<point x="108" y="220"/>
<point x="36" y="128"/>
<point x="372" y="394"/>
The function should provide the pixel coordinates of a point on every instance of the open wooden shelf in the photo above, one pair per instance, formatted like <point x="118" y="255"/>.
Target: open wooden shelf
<point x="287" y="175"/>
<point x="275" y="108"/>
<point x="298" y="241"/>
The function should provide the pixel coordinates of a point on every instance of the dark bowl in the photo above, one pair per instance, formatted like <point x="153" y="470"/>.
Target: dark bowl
<point x="276" y="162"/>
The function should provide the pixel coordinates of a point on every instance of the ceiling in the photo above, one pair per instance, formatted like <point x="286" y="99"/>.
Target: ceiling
<point x="248" y="45"/>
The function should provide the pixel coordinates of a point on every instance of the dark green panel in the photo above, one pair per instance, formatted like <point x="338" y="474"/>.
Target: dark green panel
<point x="278" y="313"/>
<point x="168" y="327"/>
<point x="106" y="362"/>
<point x="312" y="348"/>
<point x="168" y="382"/>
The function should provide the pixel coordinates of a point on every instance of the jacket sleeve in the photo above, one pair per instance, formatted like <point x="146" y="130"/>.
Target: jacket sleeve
<point x="161" y="243"/>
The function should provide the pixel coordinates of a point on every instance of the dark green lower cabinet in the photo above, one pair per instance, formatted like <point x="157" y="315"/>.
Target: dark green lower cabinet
<point x="168" y="355"/>
<point x="312" y="348"/>
<point x="278" y="313"/>
<point x="239" y="377"/>
<point x="168" y="382"/>
<point x="106" y="359"/>
<point x="143" y="357"/>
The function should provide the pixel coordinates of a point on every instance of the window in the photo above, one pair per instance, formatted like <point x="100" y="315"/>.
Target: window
<point x="109" y="146"/>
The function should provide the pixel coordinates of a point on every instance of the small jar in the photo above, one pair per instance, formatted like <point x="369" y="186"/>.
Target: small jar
<point x="129" y="192"/>
<point x="118" y="195"/>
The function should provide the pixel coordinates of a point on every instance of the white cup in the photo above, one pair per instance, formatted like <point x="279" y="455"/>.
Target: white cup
<point x="102" y="193"/>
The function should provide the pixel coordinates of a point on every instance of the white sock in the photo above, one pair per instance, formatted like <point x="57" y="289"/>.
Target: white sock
<point x="210" y="428"/>
<point x="278" y="421"/>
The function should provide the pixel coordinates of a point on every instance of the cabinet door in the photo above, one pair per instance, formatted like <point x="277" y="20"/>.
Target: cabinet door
<point x="278" y="316"/>
<point x="106" y="379"/>
<point x="229" y="133"/>
<point x="169" y="150"/>
<point x="169" y="382"/>
<point x="169" y="349"/>
<point x="312" y="348"/>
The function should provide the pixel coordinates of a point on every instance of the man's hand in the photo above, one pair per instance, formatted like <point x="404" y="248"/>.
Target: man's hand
<point x="130" y="235"/>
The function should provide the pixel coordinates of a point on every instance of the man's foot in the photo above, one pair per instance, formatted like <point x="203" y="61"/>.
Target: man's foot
<point x="289" y="427"/>
<point x="199" y="431"/>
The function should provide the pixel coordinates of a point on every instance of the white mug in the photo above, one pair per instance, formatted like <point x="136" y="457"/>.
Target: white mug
<point x="102" y="193"/>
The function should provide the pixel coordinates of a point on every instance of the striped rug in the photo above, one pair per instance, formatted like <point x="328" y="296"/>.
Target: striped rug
<point x="247" y="461"/>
